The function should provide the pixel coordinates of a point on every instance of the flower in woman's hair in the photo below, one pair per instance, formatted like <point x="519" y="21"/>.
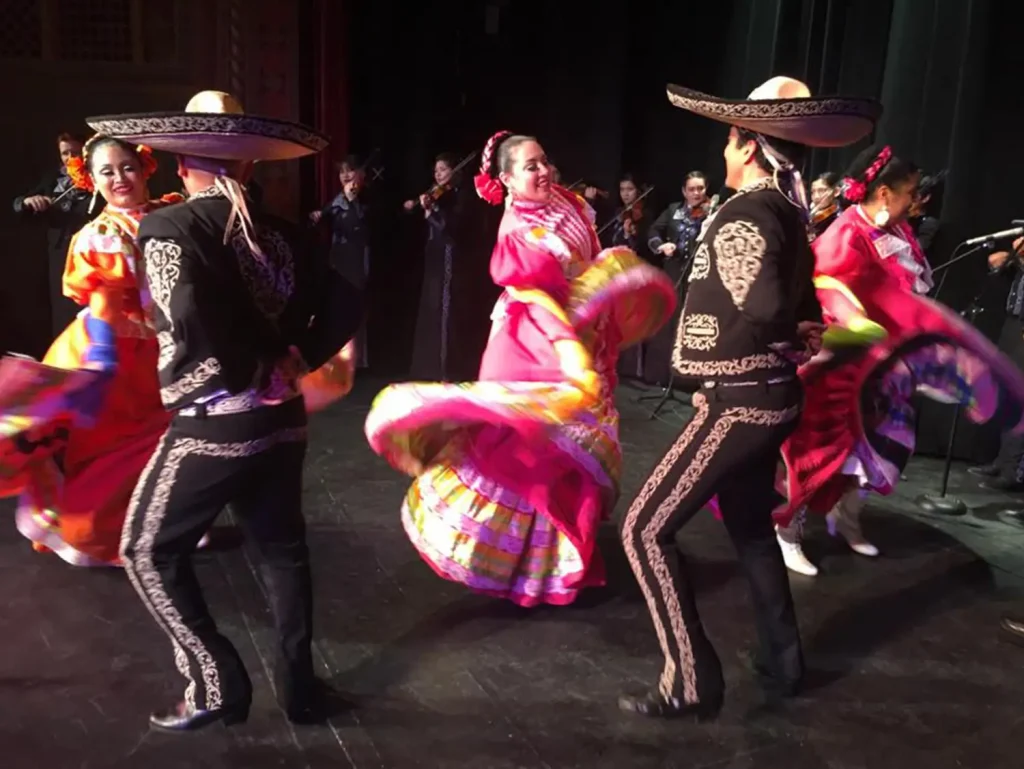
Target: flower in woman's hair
<point x="488" y="188"/>
<point x="149" y="164"/>
<point x="79" y="174"/>
<point x="854" y="190"/>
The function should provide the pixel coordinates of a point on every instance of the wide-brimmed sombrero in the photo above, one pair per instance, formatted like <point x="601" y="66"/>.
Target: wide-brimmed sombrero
<point x="214" y="125"/>
<point x="783" y="108"/>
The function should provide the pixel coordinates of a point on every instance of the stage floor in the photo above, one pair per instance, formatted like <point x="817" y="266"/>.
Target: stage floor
<point x="906" y="665"/>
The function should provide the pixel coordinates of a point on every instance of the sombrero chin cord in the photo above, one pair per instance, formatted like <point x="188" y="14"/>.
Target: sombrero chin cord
<point x="232" y="190"/>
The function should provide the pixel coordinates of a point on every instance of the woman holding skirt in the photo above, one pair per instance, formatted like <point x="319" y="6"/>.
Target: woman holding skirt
<point x="515" y="472"/>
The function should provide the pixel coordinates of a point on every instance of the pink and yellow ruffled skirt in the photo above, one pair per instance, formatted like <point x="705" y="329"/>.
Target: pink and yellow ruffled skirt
<point x="513" y="478"/>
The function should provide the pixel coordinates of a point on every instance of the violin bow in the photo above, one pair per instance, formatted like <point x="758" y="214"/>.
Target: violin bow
<point x="462" y="164"/>
<point x="623" y="210"/>
<point x="378" y="173"/>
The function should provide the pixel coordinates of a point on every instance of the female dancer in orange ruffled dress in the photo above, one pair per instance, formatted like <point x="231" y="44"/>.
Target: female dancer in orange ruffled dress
<point x="75" y="470"/>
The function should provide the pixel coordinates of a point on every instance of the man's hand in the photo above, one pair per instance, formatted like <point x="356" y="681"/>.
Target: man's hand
<point x="667" y="249"/>
<point x="810" y="332"/>
<point x="315" y="217"/>
<point x="37" y="203"/>
<point x="590" y="192"/>
<point x="997" y="259"/>
<point x="293" y="366"/>
<point x="409" y="205"/>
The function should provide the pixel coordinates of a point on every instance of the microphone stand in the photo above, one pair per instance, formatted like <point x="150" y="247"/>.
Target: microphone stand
<point x="941" y="503"/>
<point x="669" y="391"/>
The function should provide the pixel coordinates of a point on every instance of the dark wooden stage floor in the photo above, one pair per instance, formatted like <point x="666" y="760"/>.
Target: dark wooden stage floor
<point x="906" y="665"/>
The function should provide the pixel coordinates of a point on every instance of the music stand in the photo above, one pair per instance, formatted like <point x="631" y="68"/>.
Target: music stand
<point x="941" y="503"/>
<point x="669" y="391"/>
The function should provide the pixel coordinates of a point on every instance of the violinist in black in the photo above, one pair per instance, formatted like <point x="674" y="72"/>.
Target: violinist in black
<point x="631" y="222"/>
<point x="437" y="353"/>
<point x="628" y="229"/>
<point x="65" y="210"/>
<point x="824" y="202"/>
<point x="670" y="240"/>
<point x="347" y="218"/>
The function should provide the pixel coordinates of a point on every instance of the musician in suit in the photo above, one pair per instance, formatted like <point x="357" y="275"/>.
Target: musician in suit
<point x="669" y="240"/>
<point x="65" y="209"/>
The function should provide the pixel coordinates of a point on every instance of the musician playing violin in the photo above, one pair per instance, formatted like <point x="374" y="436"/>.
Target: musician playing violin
<point x="444" y="180"/>
<point x="65" y="210"/>
<point x="440" y="351"/>
<point x="631" y="222"/>
<point x="824" y="202"/>
<point x="670" y="239"/>
<point x="627" y="230"/>
<point x="348" y="217"/>
<point x="675" y="231"/>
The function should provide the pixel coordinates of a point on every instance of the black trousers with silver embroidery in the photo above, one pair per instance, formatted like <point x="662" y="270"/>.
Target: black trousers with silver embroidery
<point x="730" y="448"/>
<point x="252" y="461"/>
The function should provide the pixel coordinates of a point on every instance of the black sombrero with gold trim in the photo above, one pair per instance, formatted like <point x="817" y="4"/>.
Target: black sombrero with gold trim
<point x="214" y="125"/>
<point x="783" y="108"/>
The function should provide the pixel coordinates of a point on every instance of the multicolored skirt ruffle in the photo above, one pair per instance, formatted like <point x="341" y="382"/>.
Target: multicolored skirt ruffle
<point x="513" y="479"/>
<point x="859" y="422"/>
<point x="76" y="441"/>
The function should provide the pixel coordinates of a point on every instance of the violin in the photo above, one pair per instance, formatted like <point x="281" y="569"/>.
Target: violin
<point x="818" y="215"/>
<point x="628" y="215"/>
<point x="580" y="187"/>
<point x="631" y="216"/>
<point x="435" y="192"/>
<point x="439" y="189"/>
<point x="701" y="210"/>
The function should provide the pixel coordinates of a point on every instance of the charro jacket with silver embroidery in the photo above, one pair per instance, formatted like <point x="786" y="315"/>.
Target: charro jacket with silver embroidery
<point x="749" y="286"/>
<point x="225" y="318"/>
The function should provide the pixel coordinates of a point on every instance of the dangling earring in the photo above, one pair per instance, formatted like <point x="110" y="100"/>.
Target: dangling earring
<point x="882" y="217"/>
<point x="92" y="203"/>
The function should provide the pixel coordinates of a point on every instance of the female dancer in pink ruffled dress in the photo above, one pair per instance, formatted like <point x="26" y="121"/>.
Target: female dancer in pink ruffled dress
<point x="858" y="427"/>
<point x="514" y="473"/>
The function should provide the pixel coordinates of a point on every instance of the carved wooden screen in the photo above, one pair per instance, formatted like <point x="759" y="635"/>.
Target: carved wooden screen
<point x="21" y="31"/>
<point x="103" y="31"/>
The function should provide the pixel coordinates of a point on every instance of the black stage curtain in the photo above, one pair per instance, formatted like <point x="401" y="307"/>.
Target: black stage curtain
<point x="588" y="80"/>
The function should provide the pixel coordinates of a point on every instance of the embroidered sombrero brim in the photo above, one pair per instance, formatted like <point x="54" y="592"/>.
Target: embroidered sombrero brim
<point x="224" y="136"/>
<point x="817" y="121"/>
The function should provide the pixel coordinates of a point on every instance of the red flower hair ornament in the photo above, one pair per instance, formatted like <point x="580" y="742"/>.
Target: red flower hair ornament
<point x="487" y="185"/>
<point x="78" y="168"/>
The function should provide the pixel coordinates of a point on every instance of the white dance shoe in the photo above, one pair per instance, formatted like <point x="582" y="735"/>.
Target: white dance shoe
<point x="790" y="538"/>
<point x="793" y="555"/>
<point x="844" y="519"/>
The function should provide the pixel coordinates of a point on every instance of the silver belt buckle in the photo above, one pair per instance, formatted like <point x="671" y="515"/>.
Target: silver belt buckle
<point x="709" y="385"/>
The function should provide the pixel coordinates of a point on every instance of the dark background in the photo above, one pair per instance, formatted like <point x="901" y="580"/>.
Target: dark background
<point x="588" y="79"/>
<point x="416" y="79"/>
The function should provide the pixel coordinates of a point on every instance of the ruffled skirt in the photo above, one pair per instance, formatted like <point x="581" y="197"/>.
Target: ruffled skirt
<point x="76" y="448"/>
<point x="513" y="478"/>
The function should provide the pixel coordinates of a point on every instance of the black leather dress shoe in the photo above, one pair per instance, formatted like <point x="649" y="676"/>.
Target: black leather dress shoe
<point x="772" y="686"/>
<point x="316" y="704"/>
<point x="1013" y="630"/>
<point x="654" y="705"/>
<point x="182" y="718"/>
<point x="984" y="471"/>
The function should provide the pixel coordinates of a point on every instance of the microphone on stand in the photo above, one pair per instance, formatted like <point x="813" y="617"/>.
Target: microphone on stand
<point x="1015" y="232"/>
